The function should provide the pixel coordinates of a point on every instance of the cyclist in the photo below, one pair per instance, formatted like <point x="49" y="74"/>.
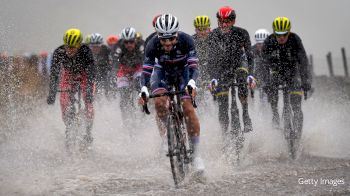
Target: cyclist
<point x="260" y="36"/>
<point x="201" y="41"/>
<point x="71" y="63"/>
<point x="176" y="64"/>
<point x="287" y="62"/>
<point x="155" y="32"/>
<point x="87" y="39"/>
<point x="139" y="38"/>
<point x="129" y="59"/>
<point x="112" y="42"/>
<point x="103" y="63"/>
<point x="228" y="44"/>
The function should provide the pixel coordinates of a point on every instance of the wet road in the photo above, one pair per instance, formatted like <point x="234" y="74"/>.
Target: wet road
<point x="33" y="160"/>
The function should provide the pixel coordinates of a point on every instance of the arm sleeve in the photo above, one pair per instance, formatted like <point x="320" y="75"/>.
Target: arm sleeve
<point x="212" y="58"/>
<point x="304" y="69"/>
<point x="90" y="72"/>
<point x="148" y="64"/>
<point x="192" y="60"/>
<point x="266" y="63"/>
<point x="248" y="51"/>
<point x="54" y="73"/>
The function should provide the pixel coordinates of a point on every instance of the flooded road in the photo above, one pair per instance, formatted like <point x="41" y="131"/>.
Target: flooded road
<point x="33" y="160"/>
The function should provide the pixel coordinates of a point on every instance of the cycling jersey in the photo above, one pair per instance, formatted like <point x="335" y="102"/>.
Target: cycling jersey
<point x="73" y="71"/>
<point x="176" y="67"/>
<point x="202" y="47"/>
<point x="259" y="65"/>
<point x="81" y="63"/>
<point x="128" y="62"/>
<point x="226" y="51"/>
<point x="288" y="60"/>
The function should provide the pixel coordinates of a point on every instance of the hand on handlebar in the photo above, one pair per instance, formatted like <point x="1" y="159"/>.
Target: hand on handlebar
<point x="251" y="82"/>
<point x="143" y="96"/>
<point x="191" y="88"/>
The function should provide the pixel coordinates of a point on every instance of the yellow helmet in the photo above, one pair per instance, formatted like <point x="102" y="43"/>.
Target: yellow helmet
<point x="87" y="39"/>
<point x="281" y="25"/>
<point x="138" y="35"/>
<point x="201" y="22"/>
<point x="72" y="37"/>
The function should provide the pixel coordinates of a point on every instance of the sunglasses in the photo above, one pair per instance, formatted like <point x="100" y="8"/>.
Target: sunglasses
<point x="281" y="35"/>
<point x="169" y="38"/>
<point x="224" y="21"/>
<point x="73" y="46"/>
<point x="129" y="42"/>
<point x="202" y="29"/>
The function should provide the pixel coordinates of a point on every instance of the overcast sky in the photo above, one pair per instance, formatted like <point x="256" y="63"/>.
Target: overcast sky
<point x="34" y="25"/>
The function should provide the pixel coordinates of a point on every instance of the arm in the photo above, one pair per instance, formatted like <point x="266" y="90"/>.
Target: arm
<point x="54" y="73"/>
<point x="148" y="64"/>
<point x="304" y="69"/>
<point x="89" y="60"/>
<point x="192" y="60"/>
<point x="248" y="51"/>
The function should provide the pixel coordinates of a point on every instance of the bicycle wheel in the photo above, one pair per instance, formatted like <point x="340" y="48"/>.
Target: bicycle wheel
<point x="176" y="149"/>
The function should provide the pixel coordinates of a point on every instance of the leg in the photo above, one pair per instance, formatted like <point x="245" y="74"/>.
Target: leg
<point x="273" y="99"/>
<point x="89" y="110"/>
<point x="235" y="122"/>
<point x="298" y="117"/>
<point x="223" y="113"/>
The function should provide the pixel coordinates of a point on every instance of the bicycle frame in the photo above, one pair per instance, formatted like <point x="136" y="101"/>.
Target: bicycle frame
<point x="75" y="114"/>
<point x="178" y="143"/>
<point x="288" y="124"/>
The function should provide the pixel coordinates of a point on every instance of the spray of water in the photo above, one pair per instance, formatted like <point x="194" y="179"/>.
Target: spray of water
<point x="34" y="161"/>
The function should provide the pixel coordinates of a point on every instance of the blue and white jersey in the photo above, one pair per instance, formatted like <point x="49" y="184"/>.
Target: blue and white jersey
<point x="180" y="62"/>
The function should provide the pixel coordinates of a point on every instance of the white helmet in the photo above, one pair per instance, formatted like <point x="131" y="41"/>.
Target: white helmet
<point x="167" y="26"/>
<point x="128" y="33"/>
<point x="96" y="38"/>
<point x="261" y="35"/>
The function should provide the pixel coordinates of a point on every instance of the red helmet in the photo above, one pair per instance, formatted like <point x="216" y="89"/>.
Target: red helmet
<point x="226" y="12"/>
<point x="112" y="39"/>
<point x="155" y="20"/>
<point x="43" y="54"/>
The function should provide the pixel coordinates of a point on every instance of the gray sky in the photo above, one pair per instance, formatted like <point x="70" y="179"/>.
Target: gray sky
<point x="34" y="25"/>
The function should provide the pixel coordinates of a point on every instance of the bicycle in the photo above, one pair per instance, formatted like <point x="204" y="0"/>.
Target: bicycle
<point x="179" y="147"/>
<point x="76" y="120"/>
<point x="291" y="134"/>
<point x="238" y="138"/>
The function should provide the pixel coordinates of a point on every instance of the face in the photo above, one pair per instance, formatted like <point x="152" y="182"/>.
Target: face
<point x="95" y="48"/>
<point x="225" y="25"/>
<point x="168" y="43"/>
<point x="130" y="45"/>
<point x="282" y="39"/>
<point x="259" y="46"/>
<point x="202" y="33"/>
<point x="72" y="51"/>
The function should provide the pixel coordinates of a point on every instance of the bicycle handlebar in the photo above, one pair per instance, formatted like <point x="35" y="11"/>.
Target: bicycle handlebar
<point x="170" y="93"/>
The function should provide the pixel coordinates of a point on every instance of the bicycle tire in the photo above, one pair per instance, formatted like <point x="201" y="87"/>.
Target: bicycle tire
<point x="176" y="149"/>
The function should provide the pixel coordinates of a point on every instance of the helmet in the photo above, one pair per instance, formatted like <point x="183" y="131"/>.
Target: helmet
<point x="261" y="35"/>
<point x="226" y="12"/>
<point x="167" y="26"/>
<point x="87" y="39"/>
<point x="155" y="20"/>
<point x="72" y="37"/>
<point x="43" y="54"/>
<point x="128" y="33"/>
<point x="96" y="38"/>
<point x="112" y="39"/>
<point x="281" y="25"/>
<point x="201" y="22"/>
<point x="138" y="35"/>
